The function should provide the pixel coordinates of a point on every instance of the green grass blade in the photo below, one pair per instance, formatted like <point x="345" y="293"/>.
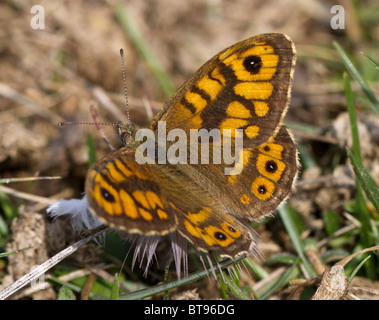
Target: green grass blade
<point x="374" y="62"/>
<point x="331" y="221"/>
<point x="292" y="230"/>
<point x="4" y="230"/>
<point x="65" y="293"/>
<point x="10" y="253"/>
<point x="131" y="29"/>
<point x="352" y="117"/>
<point x="355" y="74"/>
<point x="115" y="288"/>
<point x="355" y="271"/>
<point x="230" y="284"/>
<point x="365" y="179"/>
<point x="283" y="258"/>
<point x="72" y="287"/>
<point x="9" y="210"/>
<point x="259" y="272"/>
<point x="233" y="287"/>
<point x="307" y="160"/>
<point x="285" y="277"/>
<point x="223" y="287"/>
<point x="144" y="293"/>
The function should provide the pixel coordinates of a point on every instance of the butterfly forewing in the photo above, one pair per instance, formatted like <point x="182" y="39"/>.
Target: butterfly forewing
<point x="246" y="86"/>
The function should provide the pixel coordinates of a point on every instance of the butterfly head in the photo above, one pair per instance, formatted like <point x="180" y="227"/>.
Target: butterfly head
<point x="127" y="133"/>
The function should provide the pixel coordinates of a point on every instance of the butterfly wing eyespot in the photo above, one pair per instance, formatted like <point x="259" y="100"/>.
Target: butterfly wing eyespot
<point x="271" y="166"/>
<point x="106" y="195"/>
<point x="252" y="64"/>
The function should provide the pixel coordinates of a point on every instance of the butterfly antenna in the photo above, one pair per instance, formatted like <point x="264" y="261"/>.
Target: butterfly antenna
<point x="71" y="123"/>
<point x="99" y="128"/>
<point x="96" y="123"/>
<point x="125" y="90"/>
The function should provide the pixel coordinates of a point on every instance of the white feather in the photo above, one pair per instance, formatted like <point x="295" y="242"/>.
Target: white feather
<point x="77" y="209"/>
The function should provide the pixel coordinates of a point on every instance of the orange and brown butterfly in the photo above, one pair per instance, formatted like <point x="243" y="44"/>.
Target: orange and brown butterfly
<point x="246" y="86"/>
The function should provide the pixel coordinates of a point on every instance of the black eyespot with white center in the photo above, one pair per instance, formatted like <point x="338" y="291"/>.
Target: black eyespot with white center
<point x="252" y="64"/>
<point x="262" y="189"/>
<point x="231" y="229"/>
<point x="271" y="166"/>
<point x="106" y="195"/>
<point x="220" y="236"/>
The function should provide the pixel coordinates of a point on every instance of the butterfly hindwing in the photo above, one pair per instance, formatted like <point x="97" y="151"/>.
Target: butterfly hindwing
<point x="125" y="195"/>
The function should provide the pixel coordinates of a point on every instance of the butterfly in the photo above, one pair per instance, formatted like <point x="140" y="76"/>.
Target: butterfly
<point x="242" y="94"/>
